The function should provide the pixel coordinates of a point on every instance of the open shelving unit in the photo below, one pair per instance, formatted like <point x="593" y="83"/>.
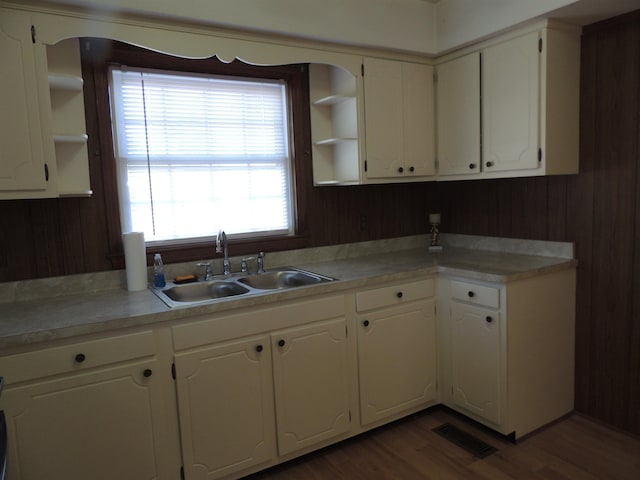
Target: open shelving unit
<point x="68" y="119"/>
<point x="334" y="125"/>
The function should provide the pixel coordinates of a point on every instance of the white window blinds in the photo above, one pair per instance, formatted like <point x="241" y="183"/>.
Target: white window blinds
<point x="199" y="153"/>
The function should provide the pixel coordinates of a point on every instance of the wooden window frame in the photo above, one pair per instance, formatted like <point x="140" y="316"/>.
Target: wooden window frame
<point x="99" y="54"/>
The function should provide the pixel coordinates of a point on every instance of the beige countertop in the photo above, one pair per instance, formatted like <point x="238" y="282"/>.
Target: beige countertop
<point x="28" y="319"/>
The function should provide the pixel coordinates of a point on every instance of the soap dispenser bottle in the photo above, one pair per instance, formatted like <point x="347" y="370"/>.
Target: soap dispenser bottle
<point x="158" y="272"/>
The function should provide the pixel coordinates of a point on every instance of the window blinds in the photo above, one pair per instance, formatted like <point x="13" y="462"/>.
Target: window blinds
<point x="197" y="153"/>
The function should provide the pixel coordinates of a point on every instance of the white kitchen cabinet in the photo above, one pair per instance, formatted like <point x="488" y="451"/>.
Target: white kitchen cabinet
<point x="25" y="144"/>
<point x="511" y="99"/>
<point x="399" y="120"/>
<point x="310" y="374"/>
<point x="458" y="115"/>
<point x="334" y="124"/>
<point x="507" y="350"/>
<point x="476" y="354"/>
<point x="246" y="400"/>
<point x="530" y="84"/>
<point x="225" y="402"/>
<point x="397" y="360"/>
<point x="99" y="409"/>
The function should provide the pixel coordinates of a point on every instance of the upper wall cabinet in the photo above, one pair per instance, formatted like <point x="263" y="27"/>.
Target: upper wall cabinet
<point x="399" y="121"/>
<point x="458" y="118"/>
<point x="530" y="107"/>
<point x="43" y="151"/>
<point x="25" y="171"/>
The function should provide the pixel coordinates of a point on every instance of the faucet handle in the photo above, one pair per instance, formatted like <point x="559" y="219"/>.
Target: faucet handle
<point x="261" y="262"/>
<point x="208" y="273"/>
<point x="243" y="264"/>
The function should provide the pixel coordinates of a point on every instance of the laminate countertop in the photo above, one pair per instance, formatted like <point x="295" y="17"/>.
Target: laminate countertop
<point x="28" y="319"/>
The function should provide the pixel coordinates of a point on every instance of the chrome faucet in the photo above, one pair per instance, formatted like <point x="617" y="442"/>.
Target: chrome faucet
<point x="222" y="247"/>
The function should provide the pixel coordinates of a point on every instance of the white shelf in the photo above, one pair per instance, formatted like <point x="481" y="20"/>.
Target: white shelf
<point x="334" y="141"/>
<point x="79" y="138"/>
<point x="332" y="100"/>
<point x="66" y="82"/>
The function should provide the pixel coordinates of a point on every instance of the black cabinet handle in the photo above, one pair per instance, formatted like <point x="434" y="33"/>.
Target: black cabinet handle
<point x="471" y="294"/>
<point x="259" y="348"/>
<point x="472" y="166"/>
<point x="489" y="319"/>
<point x="411" y="169"/>
<point x="400" y="170"/>
<point x="281" y="343"/>
<point x="80" y="358"/>
<point x="366" y="323"/>
<point x="147" y="373"/>
<point x="489" y="164"/>
<point x="399" y="294"/>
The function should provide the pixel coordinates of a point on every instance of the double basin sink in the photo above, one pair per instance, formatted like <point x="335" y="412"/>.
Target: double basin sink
<point x="230" y="286"/>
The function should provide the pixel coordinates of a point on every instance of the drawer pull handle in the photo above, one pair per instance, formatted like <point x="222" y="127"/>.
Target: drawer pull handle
<point x="400" y="170"/>
<point x="147" y="373"/>
<point x="471" y="294"/>
<point x="80" y="358"/>
<point x="399" y="294"/>
<point x="412" y="169"/>
<point x="365" y="323"/>
<point x="281" y="343"/>
<point x="472" y="166"/>
<point x="489" y="319"/>
<point x="259" y="348"/>
<point x="489" y="164"/>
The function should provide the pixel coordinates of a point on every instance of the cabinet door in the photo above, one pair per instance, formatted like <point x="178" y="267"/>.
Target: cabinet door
<point x="418" y="122"/>
<point x="100" y="425"/>
<point x="225" y="407"/>
<point x="458" y="116"/>
<point x="397" y="360"/>
<point x="311" y="384"/>
<point x="383" y="117"/>
<point x="22" y="159"/>
<point x="510" y="99"/>
<point x="475" y="348"/>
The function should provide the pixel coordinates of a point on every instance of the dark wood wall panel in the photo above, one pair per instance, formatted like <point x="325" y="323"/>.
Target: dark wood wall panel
<point x="599" y="210"/>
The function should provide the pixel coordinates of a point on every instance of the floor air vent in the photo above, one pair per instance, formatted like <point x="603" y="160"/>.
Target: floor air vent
<point x="464" y="440"/>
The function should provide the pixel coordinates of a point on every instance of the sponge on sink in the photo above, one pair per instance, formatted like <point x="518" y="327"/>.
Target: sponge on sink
<point x="185" y="279"/>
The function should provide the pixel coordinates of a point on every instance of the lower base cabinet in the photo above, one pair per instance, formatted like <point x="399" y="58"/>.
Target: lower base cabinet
<point x="397" y="359"/>
<point x="245" y="403"/>
<point x="100" y="415"/>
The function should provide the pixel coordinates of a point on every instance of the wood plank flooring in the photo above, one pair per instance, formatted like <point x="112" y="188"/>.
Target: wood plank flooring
<point x="575" y="448"/>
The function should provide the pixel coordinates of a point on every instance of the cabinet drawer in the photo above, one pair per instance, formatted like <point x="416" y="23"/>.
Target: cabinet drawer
<point x="476" y="294"/>
<point x="78" y="356"/>
<point x="395" y="294"/>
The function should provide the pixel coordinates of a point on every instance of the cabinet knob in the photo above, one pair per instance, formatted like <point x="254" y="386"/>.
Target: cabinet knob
<point x="80" y="358"/>
<point x="399" y="294"/>
<point x="489" y="319"/>
<point x="472" y="166"/>
<point x="471" y="294"/>
<point x="147" y="373"/>
<point x="489" y="164"/>
<point x="259" y="348"/>
<point x="412" y="169"/>
<point x="400" y="170"/>
<point x="365" y="323"/>
<point x="281" y="343"/>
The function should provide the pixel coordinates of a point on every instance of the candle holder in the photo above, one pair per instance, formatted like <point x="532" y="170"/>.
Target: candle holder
<point x="434" y="244"/>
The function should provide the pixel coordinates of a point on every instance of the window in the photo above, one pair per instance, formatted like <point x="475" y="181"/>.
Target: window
<point x="199" y="152"/>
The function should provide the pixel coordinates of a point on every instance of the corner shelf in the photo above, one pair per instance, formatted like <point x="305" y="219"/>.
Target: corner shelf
<point x="334" y="125"/>
<point x="68" y="120"/>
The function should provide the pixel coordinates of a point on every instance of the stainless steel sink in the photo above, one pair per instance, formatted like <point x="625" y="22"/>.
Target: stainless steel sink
<point x="197" y="292"/>
<point x="278" y="279"/>
<point x="231" y="286"/>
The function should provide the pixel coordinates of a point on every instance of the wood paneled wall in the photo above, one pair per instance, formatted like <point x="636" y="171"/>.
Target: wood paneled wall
<point x="599" y="210"/>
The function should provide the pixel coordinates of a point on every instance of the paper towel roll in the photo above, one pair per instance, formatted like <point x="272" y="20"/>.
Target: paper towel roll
<point x="135" y="259"/>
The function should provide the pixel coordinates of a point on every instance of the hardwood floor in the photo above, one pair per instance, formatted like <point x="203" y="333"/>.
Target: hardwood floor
<point x="575" y="448"/>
